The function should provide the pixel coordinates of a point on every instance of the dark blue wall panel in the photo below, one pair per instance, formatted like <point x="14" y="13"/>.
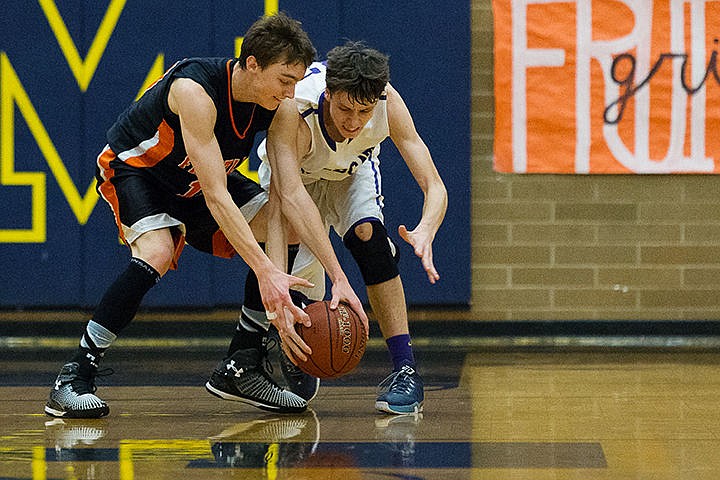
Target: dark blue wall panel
<point x="429" y="47"/>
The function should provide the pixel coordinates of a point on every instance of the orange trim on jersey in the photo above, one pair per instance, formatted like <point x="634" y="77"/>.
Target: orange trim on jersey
<point x="230" y="109"/>
<point x="153" y="155"/>
<point x="107" y="189"/>
<point x="109" y="194"/>
<point x="179" y="241"/>
<point x="221" y="246"/>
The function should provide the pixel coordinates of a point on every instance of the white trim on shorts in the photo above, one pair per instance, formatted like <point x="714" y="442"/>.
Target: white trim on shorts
<point x="148" y="224"/>
<point x="164" y="220"/>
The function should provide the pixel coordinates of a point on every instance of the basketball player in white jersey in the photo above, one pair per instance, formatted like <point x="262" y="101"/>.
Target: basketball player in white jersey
<point x="323" y="155"/>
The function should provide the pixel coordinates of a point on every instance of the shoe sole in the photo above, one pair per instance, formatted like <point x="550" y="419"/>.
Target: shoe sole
<point x="94" y="413"/>
<point x="399" y="409"/>
<point x="263" y="406"/>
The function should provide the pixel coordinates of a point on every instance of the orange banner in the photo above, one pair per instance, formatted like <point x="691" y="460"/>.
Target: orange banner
<point x="606" y="86"/>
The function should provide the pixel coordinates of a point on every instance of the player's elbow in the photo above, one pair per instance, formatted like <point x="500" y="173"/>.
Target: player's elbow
<point x="432" y="185"/>
<point x="216" y="200"/>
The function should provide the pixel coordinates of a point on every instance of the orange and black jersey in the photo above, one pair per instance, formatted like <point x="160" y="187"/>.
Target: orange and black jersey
<point x="147" y="135"/>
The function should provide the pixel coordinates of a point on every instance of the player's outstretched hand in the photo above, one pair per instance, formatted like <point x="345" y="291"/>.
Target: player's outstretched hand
<point x="421" y="241"/>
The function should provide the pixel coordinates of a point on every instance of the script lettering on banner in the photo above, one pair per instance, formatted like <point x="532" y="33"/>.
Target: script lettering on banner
<point x="607" y="86"/>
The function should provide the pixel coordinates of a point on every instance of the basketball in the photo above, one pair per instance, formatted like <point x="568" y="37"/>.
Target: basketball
<point x="337" y="338"/>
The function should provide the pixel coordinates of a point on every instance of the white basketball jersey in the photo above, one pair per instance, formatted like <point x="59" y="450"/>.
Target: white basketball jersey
<point x="328" y="159"/>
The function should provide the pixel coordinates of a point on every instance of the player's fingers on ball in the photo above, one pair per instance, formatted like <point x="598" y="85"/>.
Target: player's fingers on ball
<point x="300" y="315"/>
<point x="357" y="306"/>
<point x="290" y="354"/>
<point x="296" y="341"/>
<point x="304" y="347"/>
<point x="298" y="352"/>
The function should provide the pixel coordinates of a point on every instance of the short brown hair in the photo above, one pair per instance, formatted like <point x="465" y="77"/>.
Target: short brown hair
<point x="277" y="39"/>
<point x="357" y="70"/>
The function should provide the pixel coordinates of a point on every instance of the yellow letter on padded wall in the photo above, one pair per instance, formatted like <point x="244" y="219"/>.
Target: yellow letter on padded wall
<point x="83" y="69"/>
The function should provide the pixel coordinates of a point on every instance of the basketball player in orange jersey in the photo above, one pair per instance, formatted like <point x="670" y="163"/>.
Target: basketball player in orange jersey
<point x="323" y="151"/>
<point x="169" y="175"/>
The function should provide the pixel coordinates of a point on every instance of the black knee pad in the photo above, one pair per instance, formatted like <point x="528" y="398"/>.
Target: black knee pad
<point x="378" y="257"/>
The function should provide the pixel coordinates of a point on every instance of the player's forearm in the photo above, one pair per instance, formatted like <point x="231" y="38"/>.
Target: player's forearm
<point x="237" y="231"/>
<point x="276" y="238"/>
<point x="434" y="206"/>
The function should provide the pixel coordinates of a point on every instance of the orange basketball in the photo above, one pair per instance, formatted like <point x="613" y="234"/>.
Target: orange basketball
<point x="337" y="338"/>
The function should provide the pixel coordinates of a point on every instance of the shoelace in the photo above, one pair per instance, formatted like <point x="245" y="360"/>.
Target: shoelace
<point x="400" y="381"/>
<point x="270" y="343"/>
<point x="82" y="385"/>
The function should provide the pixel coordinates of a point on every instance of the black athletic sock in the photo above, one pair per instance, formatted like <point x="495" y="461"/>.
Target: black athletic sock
<point x="122" y="300"/>
<point x="95" y="340"/>
<point x="253" y="323"/>
<point x="292" y="255"/>
<point x="87" y="361"/>
<point x="244" y="339"/>
<point x="253" y="299"/>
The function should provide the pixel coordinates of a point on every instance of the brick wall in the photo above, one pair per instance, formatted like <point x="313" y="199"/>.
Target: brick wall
<point x="596" y="247"/>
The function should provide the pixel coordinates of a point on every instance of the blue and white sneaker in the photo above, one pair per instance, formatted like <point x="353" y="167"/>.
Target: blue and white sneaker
<point x="401" y="392"/>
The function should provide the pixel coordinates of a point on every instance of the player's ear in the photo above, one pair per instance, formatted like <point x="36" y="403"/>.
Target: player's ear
<point x="251" y="63"/>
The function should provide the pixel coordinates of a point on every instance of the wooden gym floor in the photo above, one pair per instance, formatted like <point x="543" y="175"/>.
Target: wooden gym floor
<point x="511" y="409"/>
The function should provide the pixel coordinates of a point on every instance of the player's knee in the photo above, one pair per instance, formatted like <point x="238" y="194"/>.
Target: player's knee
<point x="364" y="230"/>
<point x="155" y="248"/>
<point x="160" y="259"/>
<point x="375" y="254"/>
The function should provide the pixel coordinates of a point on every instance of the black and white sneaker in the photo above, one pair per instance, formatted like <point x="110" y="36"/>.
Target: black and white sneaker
<point x="241" y="377"/>
<point x="73" y="394"/>
<point x="298" y="382"/>
<point x="67" y="436"/>
<point x="285" y="441"/>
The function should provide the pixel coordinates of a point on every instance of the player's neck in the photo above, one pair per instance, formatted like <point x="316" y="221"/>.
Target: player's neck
<point x="241" y="85"/>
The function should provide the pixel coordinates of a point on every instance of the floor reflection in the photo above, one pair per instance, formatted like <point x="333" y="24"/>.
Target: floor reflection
<point x="270" y="443"/>
<point x="282" y="446"/>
